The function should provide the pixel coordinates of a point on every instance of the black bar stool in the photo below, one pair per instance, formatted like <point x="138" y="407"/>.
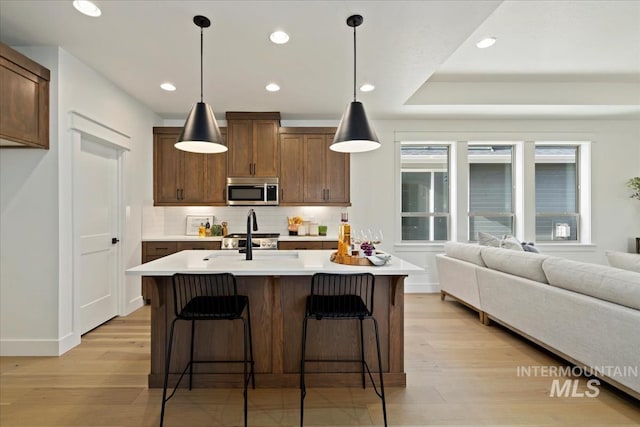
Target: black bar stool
<point x="200" y="297"/>
<point x="340" y="297"/>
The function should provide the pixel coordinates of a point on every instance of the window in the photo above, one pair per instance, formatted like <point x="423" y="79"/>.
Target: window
<point x="490" y="190"/>
<point x="557" y="214"/>
<point x="536" y="190"/>
<point x="425" y="191"/>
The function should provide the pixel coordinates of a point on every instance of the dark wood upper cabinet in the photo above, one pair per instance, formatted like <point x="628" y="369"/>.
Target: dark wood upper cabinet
<point x="184" y="178"/>
<point x="24" y="101"/>
<point x="291" y="168"/>
<point x="310" y="173"/>
<point x="253" y="144"/>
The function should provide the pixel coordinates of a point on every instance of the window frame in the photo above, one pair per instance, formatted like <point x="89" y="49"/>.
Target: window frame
<point x="524" y="186"/>
<point x="511" y="214"/>
<point x="430" y="215"/>
<point x="578" y="176"/>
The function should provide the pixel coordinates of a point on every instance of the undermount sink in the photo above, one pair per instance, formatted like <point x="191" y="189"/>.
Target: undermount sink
<point x="257" y="254"/>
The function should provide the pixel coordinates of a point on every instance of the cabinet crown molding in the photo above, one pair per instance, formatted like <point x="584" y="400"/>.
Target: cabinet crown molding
<point x="242" y="115"/>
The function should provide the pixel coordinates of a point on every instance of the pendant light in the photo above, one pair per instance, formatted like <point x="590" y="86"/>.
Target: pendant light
<point x="201" y="133"/>
<point x="354" y="134"/>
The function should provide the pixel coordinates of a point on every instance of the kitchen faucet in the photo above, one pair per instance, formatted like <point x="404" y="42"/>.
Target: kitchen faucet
<point x="251" y="213"/>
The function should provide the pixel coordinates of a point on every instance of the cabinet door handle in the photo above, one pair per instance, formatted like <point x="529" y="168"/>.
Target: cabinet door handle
<point x="182" y="194"/>
<point x="328" y="197"/>
<point x="177" y="194"/>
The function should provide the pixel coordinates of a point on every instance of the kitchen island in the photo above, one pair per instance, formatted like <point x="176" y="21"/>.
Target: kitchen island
<point x="277" y="283"/>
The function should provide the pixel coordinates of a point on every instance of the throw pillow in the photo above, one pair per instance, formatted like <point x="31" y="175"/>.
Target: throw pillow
<point x="528" y="247"/>
<point x="486" y="239"/>
<point x="510" y="242"/>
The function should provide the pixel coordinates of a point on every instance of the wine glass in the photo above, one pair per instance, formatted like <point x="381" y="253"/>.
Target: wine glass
<point x="377" y="237"/>
<point x="369" y="236"/>
<point x="356" y="238"/>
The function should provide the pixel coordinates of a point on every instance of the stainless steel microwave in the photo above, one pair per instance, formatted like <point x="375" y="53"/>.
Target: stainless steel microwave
<point x="252" y="191"/>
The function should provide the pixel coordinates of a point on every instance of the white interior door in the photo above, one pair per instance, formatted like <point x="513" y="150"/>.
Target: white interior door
<point x="96" y="200"/>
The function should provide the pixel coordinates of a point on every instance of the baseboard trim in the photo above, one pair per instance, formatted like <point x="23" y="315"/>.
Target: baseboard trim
<point x="133" y="305"/>
<point x="38" y="347"/>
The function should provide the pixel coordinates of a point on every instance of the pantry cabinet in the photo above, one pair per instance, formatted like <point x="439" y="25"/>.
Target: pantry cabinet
<point x="253" y="144"/>
<point x="310" y="173"/>
<point x="182" y="178"/>
<point x="24" y="103"/>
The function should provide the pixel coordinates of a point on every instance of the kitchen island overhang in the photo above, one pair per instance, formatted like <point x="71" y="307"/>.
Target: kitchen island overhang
<point x="277" y="283"/>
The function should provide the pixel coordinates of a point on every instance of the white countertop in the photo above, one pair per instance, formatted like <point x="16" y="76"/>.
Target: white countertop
<point x="183" y="238"/>
<point x="264" y="263"/>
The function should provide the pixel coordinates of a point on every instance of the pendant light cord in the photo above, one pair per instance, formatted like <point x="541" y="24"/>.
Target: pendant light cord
<point x="201" y="68"/>
<point x="354" y="63"/>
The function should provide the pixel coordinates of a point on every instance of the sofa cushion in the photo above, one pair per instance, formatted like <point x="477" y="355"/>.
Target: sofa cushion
<point x="600" y="281"/>
<point x="518" y="263"/>
<point x="624" y="260"/>
<point x="465" y="252"/>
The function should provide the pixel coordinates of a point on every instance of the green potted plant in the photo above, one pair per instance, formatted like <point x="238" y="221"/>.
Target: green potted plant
<point x="634" y="185"/>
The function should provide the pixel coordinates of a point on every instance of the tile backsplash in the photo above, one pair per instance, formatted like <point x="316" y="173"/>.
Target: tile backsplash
<point x="161" y="221"/>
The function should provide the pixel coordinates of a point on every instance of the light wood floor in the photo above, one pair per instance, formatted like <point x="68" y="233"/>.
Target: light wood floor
<point x="459" y="372"/>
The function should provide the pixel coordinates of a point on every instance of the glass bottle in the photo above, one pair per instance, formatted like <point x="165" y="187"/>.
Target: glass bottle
<point x="344" y="236"/>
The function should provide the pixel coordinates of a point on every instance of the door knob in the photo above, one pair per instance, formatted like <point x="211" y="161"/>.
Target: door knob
<point x="114" y="240"/>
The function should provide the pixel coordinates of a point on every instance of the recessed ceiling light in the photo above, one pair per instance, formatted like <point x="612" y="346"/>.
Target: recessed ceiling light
<point x="486" y="42"/>
<point x="279" y="37"/>
<point x="272" y="87"/>
<point x="87" y="7"/>
<point x="169" y="87"/>
<point x="367" y="87"/>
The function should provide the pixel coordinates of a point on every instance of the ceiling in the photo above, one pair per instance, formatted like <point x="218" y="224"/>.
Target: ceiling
<point x="552" y="59"/>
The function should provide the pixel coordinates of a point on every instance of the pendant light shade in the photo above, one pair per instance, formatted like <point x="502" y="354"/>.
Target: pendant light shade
<point x="201" y="133"/>
<point x="354" y="134"/>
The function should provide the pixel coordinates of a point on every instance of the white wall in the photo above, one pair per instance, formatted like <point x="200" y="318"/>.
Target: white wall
<point x="36" y="300"/>
<point x="29" y="234"/>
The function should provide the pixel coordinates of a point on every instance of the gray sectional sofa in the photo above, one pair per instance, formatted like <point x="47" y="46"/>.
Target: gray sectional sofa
<point x="588" y="314"/>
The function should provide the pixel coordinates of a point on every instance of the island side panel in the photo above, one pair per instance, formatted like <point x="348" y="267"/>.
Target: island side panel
<point x="161" y="286"/>
<point x="396" y="325"/>
<point x="277" y="311"/>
